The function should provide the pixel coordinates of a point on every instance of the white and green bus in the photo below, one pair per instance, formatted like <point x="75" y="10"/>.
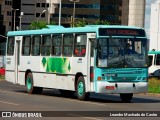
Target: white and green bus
<point x="153" y="61"/>
<point x="81" y="60"/>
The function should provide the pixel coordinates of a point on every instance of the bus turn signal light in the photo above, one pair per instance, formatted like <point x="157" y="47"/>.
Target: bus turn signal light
<point x="99" y="78"/>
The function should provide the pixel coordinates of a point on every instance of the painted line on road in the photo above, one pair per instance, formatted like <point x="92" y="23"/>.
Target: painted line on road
<point x="20" y="86"/>
<point x="12" y="92"/>
<point x="8" y="103"/>
<point x="88" y="102"/>
<point x="91" y="118"/>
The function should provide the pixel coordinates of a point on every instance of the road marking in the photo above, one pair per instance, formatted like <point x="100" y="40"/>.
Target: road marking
<point x="12" y="92"/>
<point x="8" y="103"/>
<point x="17" y="86"/>
<point x="85" y="117"/>
<point x="88" y="102"/>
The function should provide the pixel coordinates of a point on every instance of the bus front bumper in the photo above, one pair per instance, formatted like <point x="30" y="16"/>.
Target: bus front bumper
<point x="107" y="87"/>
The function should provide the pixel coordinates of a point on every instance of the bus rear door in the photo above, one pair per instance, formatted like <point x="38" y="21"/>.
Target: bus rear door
<point x="18" y="40"/>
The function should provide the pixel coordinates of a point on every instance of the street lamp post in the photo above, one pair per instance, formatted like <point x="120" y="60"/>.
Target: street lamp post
<point x="60" y="7"/>
<point x="49" y="12"/>
<point x="14" y="17"/>
<point x="3" y="36"/>
<point x="20" y="20"/>
<point x="74" y="1"/>
<point x="40" y="15"/>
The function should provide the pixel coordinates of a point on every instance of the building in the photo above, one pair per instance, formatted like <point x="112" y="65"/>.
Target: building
<point x="133" y="12"/>
<point x="155" y="26"/>
<point x="39" y="10"/>
<point x="126" y="12"/>
<point x="5" y="18"/>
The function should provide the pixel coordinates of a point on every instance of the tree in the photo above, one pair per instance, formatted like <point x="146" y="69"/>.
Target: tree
<point x="101" y="22"/>
<point x="82" y="23"/>
<point x="39" y="25"/>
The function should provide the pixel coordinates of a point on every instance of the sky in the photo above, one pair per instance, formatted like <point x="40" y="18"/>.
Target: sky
<point x="147" y="15"/>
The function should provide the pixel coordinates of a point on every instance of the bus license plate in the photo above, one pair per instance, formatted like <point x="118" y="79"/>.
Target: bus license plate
<point x="110" y="87"/>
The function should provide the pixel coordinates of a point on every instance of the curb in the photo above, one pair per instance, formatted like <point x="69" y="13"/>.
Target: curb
<point x="150" y="94"/>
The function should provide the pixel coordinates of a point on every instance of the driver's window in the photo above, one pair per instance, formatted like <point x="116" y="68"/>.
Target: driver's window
<point x="102" y="52"/>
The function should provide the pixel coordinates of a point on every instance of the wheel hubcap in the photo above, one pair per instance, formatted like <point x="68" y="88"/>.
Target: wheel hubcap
<point x="80" y="89"/>
<point x="28" y="83"/>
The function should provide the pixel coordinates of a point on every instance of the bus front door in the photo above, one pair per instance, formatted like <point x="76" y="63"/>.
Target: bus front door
<point x="91" y="72"/>
<point x="17" y="57"/>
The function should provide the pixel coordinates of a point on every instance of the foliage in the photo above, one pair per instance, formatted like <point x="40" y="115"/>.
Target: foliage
<point x="101" y="22"/>
<point x="154" y="85"/>
<point x="40" y="24"/>
<point x="2" y="77"/>
<point x="82" y="23"/>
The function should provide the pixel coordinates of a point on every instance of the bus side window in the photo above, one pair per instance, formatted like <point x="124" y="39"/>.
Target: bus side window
<point x="158" y="59"/>
<point x="80" y="45"/>
<point x="46" y="45"/>
<point x="67" y="44"/>
<point x="56" y="45"/>
<point x="10" y="46"/>
<point x="26" y="45"/>
<point x="36" y="41"/>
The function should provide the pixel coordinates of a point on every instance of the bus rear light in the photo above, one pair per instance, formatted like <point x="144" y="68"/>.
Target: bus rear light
<point x="91" y="77"/>
<point x="91" y="74"/>
<point x="110" y="87"/>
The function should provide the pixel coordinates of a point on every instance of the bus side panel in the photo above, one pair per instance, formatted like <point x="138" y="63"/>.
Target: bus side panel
<point x="10" y="69"/>
<point x="60" y="72"/>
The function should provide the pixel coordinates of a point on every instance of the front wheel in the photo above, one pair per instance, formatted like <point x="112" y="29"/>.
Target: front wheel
<point x="126" y="97"/>
<point x="81" y="89"/>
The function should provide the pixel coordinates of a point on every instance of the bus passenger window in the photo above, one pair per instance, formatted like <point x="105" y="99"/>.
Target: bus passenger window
<point x="56" y="45"/>
<point x="80" y="45"/>
<point x="10" y="46"/>
<point x="26" y="45"/>
<point x="46" y="45"/>
<point x="67" y="44"/>
<point x="36" y="40"/>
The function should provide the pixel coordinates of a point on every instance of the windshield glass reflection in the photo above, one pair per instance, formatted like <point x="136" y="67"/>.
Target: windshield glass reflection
<point x="121" y="52"/>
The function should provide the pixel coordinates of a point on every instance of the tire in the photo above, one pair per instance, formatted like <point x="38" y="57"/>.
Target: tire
<point x="126" y="97"/>
<point x="81" y="89"/>
<point x="30" y="85"/>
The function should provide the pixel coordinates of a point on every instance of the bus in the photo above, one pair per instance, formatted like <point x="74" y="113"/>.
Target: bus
<point x="80" y="60"/>
<point x="153" y="61"/>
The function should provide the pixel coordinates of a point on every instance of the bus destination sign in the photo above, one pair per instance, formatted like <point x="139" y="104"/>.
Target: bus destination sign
<point x="121" y="32"/>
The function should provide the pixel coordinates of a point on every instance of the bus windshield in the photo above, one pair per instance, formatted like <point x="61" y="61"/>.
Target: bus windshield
<point x="150" y="59"/>
<point x="121" y="52"/>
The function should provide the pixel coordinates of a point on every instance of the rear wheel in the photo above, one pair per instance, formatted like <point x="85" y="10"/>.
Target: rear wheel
<point x="30" y="85"/>
<point x="81" y="89"/>
<point x="126" y="97"/>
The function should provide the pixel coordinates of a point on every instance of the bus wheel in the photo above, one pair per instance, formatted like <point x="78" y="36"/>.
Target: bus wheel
<point x="126" y="97"/>
<point x="81" y="90"/>
<point x="29" y="85"/>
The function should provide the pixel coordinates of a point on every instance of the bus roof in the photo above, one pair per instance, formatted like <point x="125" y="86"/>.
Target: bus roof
<point x="153" y="52"/>
<point x="60" y="29"/>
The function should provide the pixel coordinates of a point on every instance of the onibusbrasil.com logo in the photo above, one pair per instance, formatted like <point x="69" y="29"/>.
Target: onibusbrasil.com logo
<point x="21" y="114"/>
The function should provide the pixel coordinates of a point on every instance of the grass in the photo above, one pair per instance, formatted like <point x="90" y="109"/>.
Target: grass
<point x="2" y="77"/>
<point x="154" y="85"/>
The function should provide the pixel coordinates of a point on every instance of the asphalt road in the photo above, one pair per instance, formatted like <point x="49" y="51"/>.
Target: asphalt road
<point x="14" y="99"/>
